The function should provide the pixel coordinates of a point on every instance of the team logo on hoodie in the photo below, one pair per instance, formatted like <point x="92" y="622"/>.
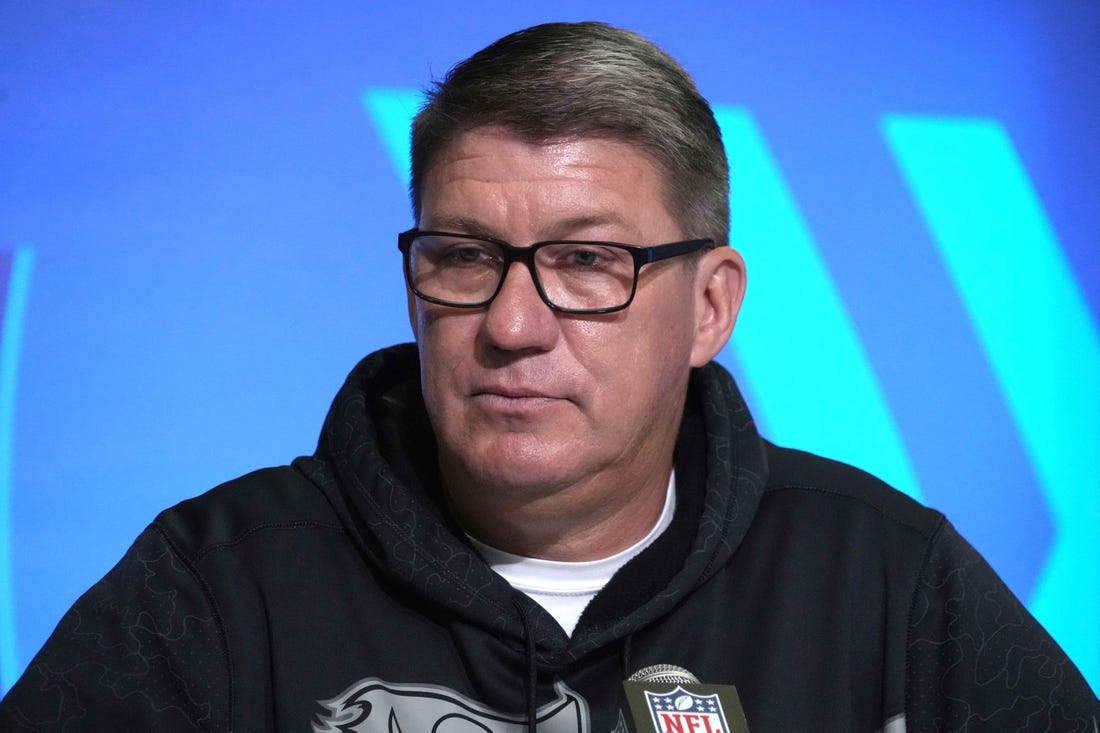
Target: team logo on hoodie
<point x="680" y="711"/>
<point x="375" y="706"/>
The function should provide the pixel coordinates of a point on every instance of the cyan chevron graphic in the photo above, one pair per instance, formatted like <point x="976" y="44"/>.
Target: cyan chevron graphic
<point x="15" y="278"/>
<point x="799" y="350"/>
<point x="986" y="220"/>
<point x="1042" y="343"/>
<point x="392" y="111"/>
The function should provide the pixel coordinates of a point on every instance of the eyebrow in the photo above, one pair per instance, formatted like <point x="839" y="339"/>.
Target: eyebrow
<point x="462" y="225"/>
<point x="561" y="230"/>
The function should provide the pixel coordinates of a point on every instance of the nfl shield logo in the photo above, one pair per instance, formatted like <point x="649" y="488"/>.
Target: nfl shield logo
<point x="680" y="711"/>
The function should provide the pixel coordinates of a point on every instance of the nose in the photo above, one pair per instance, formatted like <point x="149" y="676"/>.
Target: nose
<point x="518" y="319"/>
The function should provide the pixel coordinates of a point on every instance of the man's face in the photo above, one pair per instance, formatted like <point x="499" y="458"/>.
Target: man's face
<point x="529" y="401"/>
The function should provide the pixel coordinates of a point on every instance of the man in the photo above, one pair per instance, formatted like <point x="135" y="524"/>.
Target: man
<point x="556" y="487"/>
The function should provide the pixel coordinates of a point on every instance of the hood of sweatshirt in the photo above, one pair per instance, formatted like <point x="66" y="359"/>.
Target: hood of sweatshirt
<point x="376" y="459"/>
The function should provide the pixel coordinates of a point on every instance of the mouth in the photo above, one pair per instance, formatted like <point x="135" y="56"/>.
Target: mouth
<point x="516" y="393"/>
<point x="513" y="399"/>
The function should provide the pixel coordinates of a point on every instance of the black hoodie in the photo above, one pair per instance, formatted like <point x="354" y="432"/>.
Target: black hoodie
<point x="337" y="593"/>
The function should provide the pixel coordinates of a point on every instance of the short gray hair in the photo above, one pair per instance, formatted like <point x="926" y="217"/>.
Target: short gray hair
<point x="564" y="80"/>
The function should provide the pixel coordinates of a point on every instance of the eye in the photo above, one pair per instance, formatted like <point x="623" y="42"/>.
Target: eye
<point x="581" y="257"/>
<point x="585" y="257"/>
<point x="465" y="254"/>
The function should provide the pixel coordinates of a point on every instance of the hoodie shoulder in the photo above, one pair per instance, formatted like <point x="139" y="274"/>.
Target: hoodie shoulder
<point x="280" y="497"/>
<point x="795" y="470"/>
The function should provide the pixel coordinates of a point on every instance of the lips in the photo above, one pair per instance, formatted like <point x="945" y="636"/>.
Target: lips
<point x="512" y="392"/>
<point x="514" y="401"/>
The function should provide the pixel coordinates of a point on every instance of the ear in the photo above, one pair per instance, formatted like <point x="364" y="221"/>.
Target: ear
<point x="719" y="289"/>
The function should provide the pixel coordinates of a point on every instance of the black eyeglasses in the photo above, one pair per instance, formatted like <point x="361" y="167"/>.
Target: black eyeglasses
<point x="464" y="271"/>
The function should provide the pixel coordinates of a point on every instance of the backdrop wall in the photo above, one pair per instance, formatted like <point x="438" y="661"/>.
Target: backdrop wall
<point x="198" y="214"/>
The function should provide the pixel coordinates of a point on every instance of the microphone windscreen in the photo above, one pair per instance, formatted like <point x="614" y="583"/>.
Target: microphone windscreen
<point x="664" y="674"/>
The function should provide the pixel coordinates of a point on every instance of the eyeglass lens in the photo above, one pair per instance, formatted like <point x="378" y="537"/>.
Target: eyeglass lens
<point x="574" y="276"/>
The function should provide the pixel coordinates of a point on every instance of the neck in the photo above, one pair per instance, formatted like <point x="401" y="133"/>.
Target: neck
<point x="581" y="522"/>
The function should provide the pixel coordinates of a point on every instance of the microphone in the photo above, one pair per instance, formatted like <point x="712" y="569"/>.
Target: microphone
<point x="666" y="698"/>
<point x="664" y="674"/>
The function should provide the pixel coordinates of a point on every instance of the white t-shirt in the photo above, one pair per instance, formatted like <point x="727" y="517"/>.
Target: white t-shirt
<point x="565" y="588"/>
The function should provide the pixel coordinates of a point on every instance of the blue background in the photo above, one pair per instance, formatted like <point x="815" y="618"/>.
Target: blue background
<point x="199" y="203"/>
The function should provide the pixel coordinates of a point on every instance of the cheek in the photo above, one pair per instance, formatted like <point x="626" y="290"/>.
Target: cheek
<point x="635" y="362"/>
<point x="411" y="304"/>
<point x="447" y="340"/>
<point x="440" y="331"/>
<point x="445" y="344"/>
<point x="660" y="351"/>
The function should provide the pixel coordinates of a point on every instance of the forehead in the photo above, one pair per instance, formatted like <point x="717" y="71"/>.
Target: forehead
<point x="494" y="176"/>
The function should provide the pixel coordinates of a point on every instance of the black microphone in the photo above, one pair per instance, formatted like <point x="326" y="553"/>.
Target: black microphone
<point x="666" y="698"/>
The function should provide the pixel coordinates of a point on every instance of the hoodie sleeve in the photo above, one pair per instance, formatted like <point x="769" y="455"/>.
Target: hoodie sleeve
<point x="978" y="661"/>
<point x="141" y="650"/>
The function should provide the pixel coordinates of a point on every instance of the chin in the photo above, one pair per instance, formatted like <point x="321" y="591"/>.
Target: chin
<point x="524" y="471"/>
<point x="520" y="458"/>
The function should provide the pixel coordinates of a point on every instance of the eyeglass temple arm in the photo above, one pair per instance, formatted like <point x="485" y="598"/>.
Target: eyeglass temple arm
<point x="675" y="249"/>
